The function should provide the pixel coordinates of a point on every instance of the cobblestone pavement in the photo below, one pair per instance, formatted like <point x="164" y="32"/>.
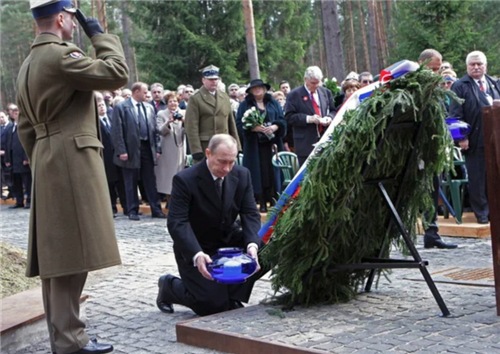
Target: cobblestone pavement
<point x="399" y="316"/>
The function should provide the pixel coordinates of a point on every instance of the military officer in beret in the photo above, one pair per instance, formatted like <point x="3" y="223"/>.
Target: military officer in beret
<point x="71" y="224"/>
<point x="209" y="112"/>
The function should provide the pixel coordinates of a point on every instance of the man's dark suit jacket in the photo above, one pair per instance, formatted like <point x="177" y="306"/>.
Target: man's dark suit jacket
<point x="125" y="133"/>
<point x="108" y="153"/>
<point x="199" y="221"/>
<point x="298" y="107"/>
<point x="14" y="152"/>
<point x="471" y="109"/>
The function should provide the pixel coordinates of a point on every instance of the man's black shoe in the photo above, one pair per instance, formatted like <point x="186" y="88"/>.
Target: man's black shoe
<point x="17" y="206"/>
<point x="159" y="215"/>
<point x="162" y="305"/>
<point x="438" y="244"/>
<point x="134" y="217"/>
<point x="482" y="219"/>
<point x="93" y="347"/>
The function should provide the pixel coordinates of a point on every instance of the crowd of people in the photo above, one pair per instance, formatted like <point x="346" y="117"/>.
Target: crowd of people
<point x="178" y="124"/>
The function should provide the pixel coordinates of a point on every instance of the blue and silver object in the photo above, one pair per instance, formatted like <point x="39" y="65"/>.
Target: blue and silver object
<point x="459" y="129"/>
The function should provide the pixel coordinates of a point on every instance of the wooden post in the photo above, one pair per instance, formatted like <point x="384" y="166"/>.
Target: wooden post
<point x="491" y="129"/>
<point x="253" y="59"/>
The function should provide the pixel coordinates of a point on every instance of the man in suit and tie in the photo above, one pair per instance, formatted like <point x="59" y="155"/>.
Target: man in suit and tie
<point x="17" y="160"/>
<point x="136" y="144"/>
<point x="309" y="111"/>
<point x="201" y="221"/>
<point x="113" y="172"/>
<point x="157" y="93"/>
<point x="209" y="112"/>
<point x="478" y="90"/>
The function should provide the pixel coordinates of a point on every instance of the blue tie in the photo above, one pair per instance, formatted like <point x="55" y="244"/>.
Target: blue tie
<point x="143" y="126"/>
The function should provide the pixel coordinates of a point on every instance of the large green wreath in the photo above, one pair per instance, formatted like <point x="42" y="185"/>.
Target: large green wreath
<point x="339" y="219"/>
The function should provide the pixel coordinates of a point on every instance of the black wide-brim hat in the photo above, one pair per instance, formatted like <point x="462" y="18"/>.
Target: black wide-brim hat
<point x="257" y="83"/>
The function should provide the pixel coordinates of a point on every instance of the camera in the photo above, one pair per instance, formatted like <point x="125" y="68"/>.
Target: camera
<point x="177" y="116"/>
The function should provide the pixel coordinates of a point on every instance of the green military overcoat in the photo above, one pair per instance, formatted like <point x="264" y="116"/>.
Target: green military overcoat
<point x="207" y="115"/>
<point x="71" y="222"/>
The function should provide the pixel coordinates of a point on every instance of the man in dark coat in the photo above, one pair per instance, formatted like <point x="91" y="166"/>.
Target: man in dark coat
<point x="113" y="172"/>
<point x="309" y="111"/>
<point x="17" y="161"/>
<point x="71" y="224"/>
<point x="200" y="221"/>
<point x="478" y="90"/>
<point x="137" y="147"/>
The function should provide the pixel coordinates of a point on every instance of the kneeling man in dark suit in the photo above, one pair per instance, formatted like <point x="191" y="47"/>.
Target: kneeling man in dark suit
<point x="202" y="218"/>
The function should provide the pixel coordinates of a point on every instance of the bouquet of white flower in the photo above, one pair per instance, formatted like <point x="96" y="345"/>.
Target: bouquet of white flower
<point x="253" y="118"/>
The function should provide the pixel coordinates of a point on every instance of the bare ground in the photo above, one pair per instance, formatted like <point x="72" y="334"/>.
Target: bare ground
<point x="12" y="271"/>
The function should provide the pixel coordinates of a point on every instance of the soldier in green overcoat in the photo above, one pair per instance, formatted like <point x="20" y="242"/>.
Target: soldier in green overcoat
<point x="208" y="113"/>
<point x="71" y="225"/>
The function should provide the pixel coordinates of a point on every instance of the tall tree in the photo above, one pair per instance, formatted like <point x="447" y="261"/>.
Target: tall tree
<point x="332" y="38"/>
<point x="372" y="32"/>
<point x="350" y="38"/>
<point x="17" y="33"/>
<point x="253" y="59"/>
<point x="451" y="27"/>
<point x="363" y="34"/>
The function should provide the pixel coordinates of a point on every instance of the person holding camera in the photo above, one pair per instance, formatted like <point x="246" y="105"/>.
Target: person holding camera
<point x="71" y="229"/>
<point x="170" y="124"/>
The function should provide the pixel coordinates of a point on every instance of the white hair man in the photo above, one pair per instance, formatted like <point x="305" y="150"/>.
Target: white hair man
<point x="478" y="90"/>
<point x="309" y="111"/>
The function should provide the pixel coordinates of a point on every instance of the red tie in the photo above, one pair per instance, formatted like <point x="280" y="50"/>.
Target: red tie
<point x="481" y="86"/>
<point x="320" y="127"/>
<point x="315" y="105"/>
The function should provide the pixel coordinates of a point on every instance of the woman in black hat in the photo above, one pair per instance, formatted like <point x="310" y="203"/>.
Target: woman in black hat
<point x="258" y="140"/>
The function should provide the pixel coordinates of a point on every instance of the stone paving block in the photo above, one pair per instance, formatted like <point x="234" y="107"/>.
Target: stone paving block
<point x="399" y="316"/>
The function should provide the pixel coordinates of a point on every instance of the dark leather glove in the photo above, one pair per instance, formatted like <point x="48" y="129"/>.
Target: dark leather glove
<point x="90" y="25"/>
<point x="198" y="156"/>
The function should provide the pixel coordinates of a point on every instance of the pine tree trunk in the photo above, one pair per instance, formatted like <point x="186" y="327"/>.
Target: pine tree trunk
<point x="382" y="34"/>
<point x="100" y="8"/>
<point x="332" y="39"/>
<point x="253" y="60"/>
<point x="372" y="30"/>
<point x="366" y="53"/>
<point x="351" y="60"/>
<point x="128" y="50"/>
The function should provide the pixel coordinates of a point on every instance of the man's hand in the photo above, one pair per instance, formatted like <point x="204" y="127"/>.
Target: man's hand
<point x="325" y="121"/>
<point x="90" y="25"/>
<point x="464" y="144"/>
<point x="201" y="263"/>
<point x="252" y="252"/>
<point x="315" y="119"/>
<point x="124" y="157"/>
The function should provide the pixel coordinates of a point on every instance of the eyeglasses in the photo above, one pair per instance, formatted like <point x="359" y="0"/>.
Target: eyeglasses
<point x="445" y="67"/>
<point x="367" y="81"/>
<point x="188" y="91"/>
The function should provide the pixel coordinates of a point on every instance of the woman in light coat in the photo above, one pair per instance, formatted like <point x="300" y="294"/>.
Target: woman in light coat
<point x="170" y="124"/>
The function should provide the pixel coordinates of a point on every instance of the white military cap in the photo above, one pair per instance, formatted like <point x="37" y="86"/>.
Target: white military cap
<point x="210" y="72"/>
<point x="43" y="8"/>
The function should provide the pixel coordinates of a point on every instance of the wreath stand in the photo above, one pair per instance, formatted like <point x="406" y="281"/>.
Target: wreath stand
<point x="392" y="202"/>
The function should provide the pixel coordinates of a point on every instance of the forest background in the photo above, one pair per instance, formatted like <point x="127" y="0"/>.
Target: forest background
<point x="170" y="41"/>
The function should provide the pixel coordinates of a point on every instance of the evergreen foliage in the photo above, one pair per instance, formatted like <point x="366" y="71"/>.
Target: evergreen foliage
<point x="451" y="27"/>
<point x="338" y="219"/>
